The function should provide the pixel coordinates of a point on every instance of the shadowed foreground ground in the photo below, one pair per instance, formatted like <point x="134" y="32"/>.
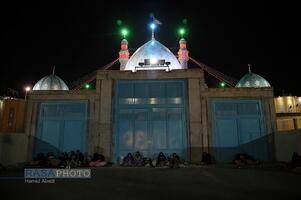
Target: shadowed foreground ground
<point x="146" y="183"/>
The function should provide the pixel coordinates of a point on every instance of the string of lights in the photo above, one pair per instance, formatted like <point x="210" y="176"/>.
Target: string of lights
<point x="218" y="75"/>
<point x="81" y="83"/>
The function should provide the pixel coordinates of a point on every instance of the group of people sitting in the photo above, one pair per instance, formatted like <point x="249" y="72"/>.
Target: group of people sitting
<point x="137" y="160"/>
<point x="72" y="159"/>
<point x="76" y="158"/>
<point x="240" y="159"/>
<point x="244" y="159"/>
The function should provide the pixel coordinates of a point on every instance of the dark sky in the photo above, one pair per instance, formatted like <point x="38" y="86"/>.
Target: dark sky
<point x="79" y="37"/>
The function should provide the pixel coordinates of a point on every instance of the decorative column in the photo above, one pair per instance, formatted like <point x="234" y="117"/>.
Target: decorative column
<point x="123" y="54"/>
<point x="183" y="53"/>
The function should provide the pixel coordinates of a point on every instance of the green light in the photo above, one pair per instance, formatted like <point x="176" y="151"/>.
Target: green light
<point x="119" y="22"/>
<point x="222" y="84"/>
<point x="124" y="32"/>
<point x="87" y="86"/>
<point x="182" y="31"/>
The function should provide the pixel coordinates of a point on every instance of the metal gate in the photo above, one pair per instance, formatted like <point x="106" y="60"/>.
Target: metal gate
<point x="150" y="117"/>
<point x="61" y="127"/>
<point x="238" y="127"/>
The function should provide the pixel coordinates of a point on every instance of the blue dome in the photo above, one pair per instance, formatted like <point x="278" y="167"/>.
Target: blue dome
<point x="50" y="82"/>
<point x="252" y="80"/>
<point x="152" y="50"/>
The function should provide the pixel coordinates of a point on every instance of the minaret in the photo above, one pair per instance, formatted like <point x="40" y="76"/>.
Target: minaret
<point x="183" y="53"/>
<point x="123" y="54"/>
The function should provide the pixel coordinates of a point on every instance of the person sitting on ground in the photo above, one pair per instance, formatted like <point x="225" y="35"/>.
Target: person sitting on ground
<point x="161" y="160"/>
<point x="244" y="159"/>
<point x="138" y="159"/>
<point x="71" y="160"/>
<point x="148" y="162"/>
<point x="63" y="160"/>
<point x="42" y="161"/>
<point x="65" y="156"/>
<point x="296" y="160"/>
<point x="154" y="159"/>
<point x="87" y="159"/>
<point x="79" y="158"/>
<point x="128" y="160"/>
<point x="206" y="159"/>
<point x="174" y="161"/>
<point x="98" y="160"/>
<point x="52" y="161"/>
<point x="39" y="161"/>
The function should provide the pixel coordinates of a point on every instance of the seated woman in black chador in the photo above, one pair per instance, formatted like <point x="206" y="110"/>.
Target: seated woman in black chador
<point x="296" y="160"/>
<point x="244" y="159"/>
<point x="98" y="160"/>
<point x="71" y="163"/>
<point x="138" y="159"/>
<point x="40" y="161"/>
<point x="148" y="162"/>
<point x="174" y="161"/>
<point x="161" y="160"/>
<point x="52" y="161"/>
<point x="206" y="159"/>
<point x="63" y="160"/>
<point x="79" y="158"/>
<point x="128" y="160"/>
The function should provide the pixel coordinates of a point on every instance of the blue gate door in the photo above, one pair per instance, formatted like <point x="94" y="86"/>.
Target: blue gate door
<point x="150" y="117"/>
<point x="61" y="127"/>
<point x="238" y="127"/>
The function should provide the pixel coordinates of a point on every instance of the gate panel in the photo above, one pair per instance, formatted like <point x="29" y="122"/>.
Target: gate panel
<point x="73" y="136"/>
<point x="155" y="119"/>
<point x="61" y="127"/>
<point x="238" y="127"/>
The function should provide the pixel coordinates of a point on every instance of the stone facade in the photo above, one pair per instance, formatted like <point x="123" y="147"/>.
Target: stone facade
<point x="288" y="112"/>
<point x="264" y="94"/>
<point x="100" y="100"/>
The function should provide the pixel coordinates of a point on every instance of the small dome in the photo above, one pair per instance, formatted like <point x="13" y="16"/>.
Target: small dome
<point x="153" y="50"/>
<point x="252" y="80"/>
<point x="124" y="41"/>
<point x="50" y="82"/>
<point x="182" y="40"/>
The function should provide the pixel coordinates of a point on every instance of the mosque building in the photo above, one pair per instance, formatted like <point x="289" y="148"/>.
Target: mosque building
<point x="156" y="102"/>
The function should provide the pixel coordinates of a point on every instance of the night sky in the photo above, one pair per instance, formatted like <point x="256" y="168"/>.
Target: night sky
<point x="79" y="38"/>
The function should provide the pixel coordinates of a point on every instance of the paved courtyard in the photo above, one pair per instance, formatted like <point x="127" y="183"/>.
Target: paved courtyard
<point x="146" y="183"/>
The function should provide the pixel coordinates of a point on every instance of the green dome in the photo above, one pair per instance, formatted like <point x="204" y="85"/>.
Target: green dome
<point x="252" y="80"/>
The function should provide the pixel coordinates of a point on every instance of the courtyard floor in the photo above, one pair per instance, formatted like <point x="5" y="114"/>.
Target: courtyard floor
<point x="207" y="182"/>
